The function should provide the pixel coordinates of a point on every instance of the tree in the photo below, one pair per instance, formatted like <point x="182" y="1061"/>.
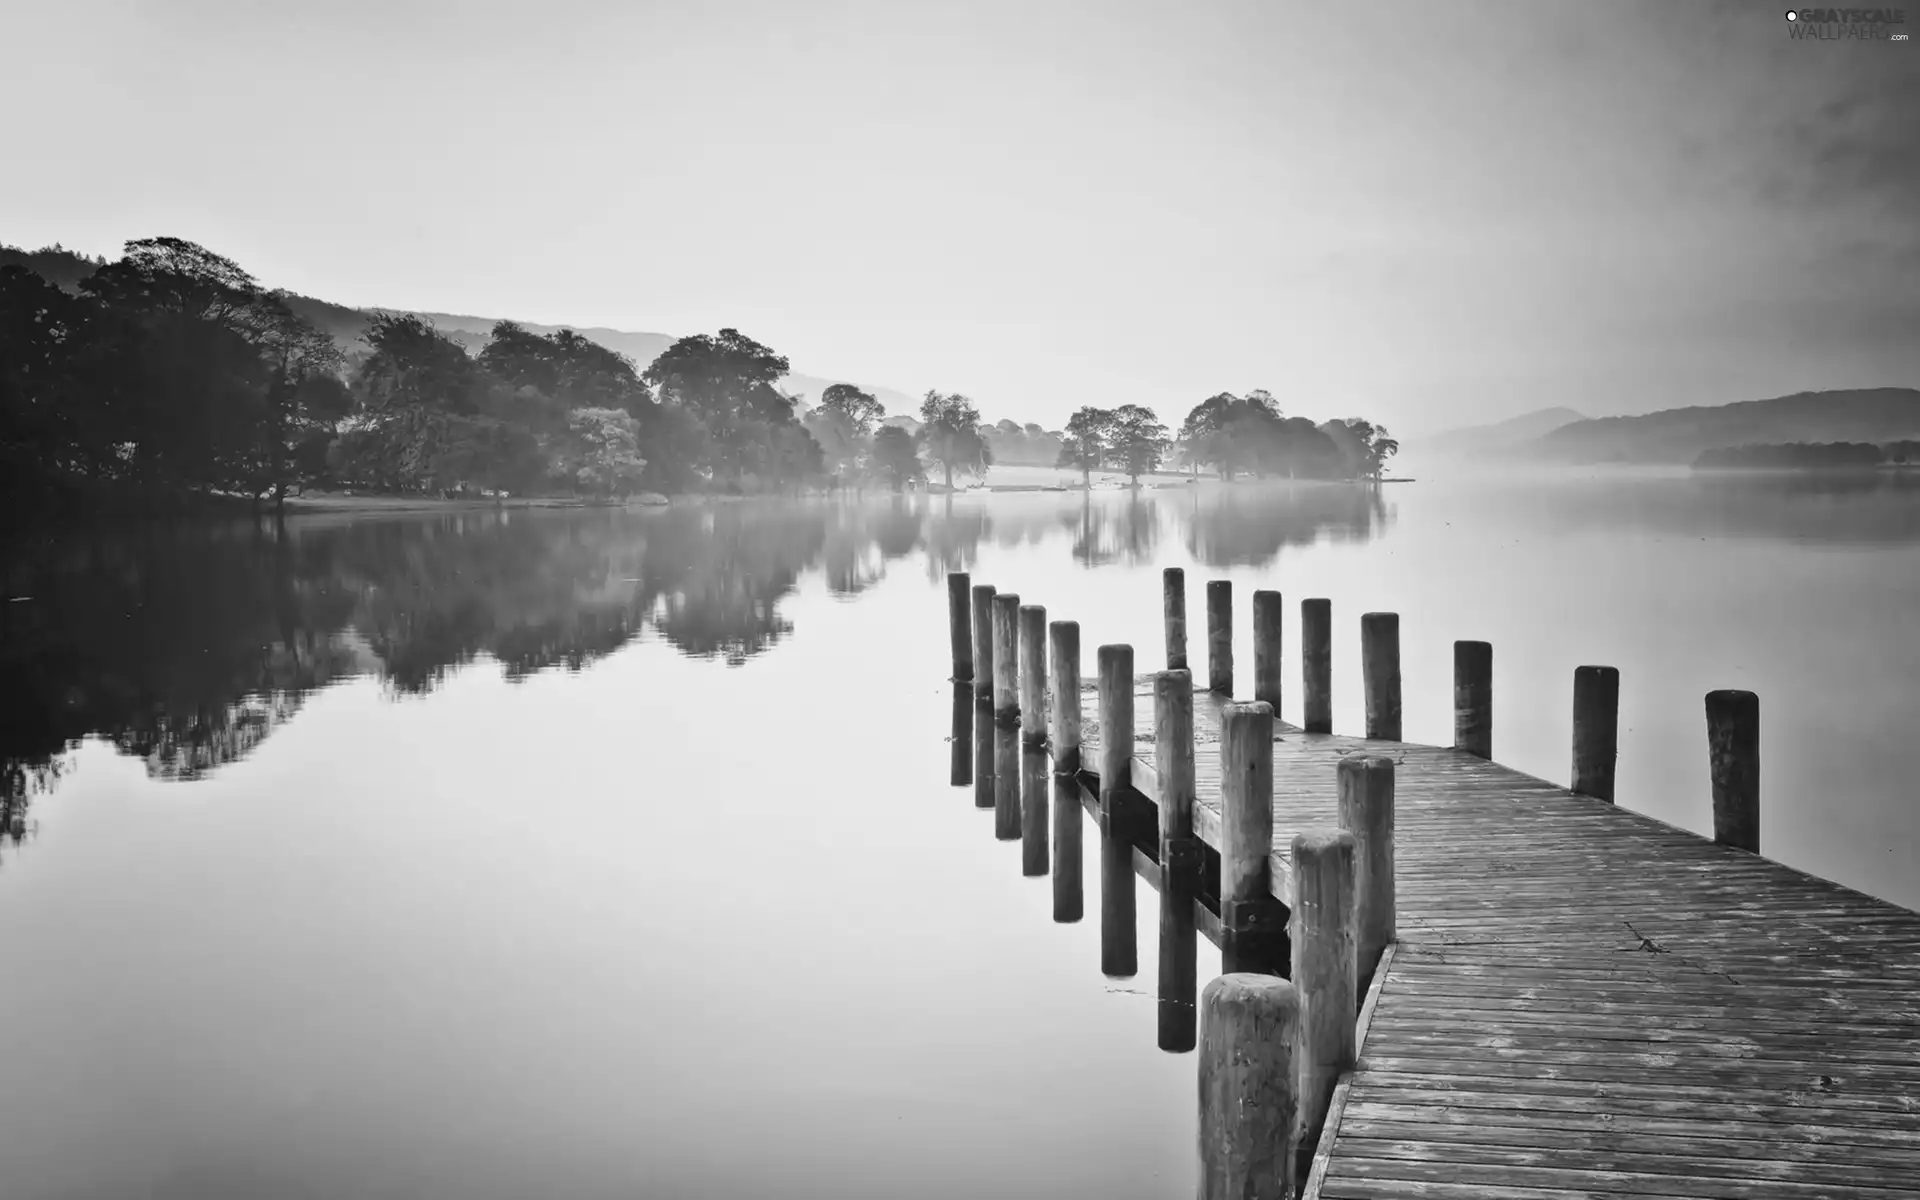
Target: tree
<point x="1136" y="441"/>
<point x="726" y="383"/>
<point x="951" y="432"/>
<point x="413" y="385"/>
<point x="896" y="457"/>
<point x="1086" y="444"/>
<point x="858" y="409"/>
<point x="605" y="453"/>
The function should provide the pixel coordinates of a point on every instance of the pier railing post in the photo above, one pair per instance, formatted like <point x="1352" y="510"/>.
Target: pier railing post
<point x="1316" y="665"/>
<point x="960" y="624"/>
<point x="1173" y="766"/>
<point x="1033" y="674"/>
<point x="1325" y="969"/>
<point x="1473" y="698"/>
<point x="1006" y="657"/>
<point x="1267" y="623"/>
<point x="1365" y="784"/>
<point x="1248" y="1103"/>
<point x="1220" y="636"/>
<point x="983" y="640"/>
<point x="1116" y="723"/>
<point x="1064" y="722"/>
<point x="1174" y="588"/>
<point x="1733" y="750"/>
<point x="1380" y="667"/>
<point x="1596" y="730"/>
<point x="1250" y="916"/>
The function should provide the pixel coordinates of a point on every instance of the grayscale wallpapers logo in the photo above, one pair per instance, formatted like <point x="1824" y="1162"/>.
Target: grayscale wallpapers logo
<point x="1847" y="24"/>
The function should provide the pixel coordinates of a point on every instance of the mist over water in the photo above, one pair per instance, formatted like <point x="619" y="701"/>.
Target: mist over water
<point x="597" y="853"/>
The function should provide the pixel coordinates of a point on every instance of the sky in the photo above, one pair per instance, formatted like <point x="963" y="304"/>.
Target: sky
<point x="1430" y="215"/>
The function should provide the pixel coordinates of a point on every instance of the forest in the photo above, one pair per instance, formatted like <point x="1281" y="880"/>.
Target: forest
<point x="171" y="374"/>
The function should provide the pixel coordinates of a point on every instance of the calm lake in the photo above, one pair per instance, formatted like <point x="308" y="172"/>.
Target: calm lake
<point x="594" y="854"/>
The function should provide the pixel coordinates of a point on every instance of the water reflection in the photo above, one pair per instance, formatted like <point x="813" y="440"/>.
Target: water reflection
<point x="1069" y="895"/>
<point x="961" y="773"/>
<point x="1119" y="933"/>
<point x="1006" y="781"/>
<point x="1179" y="963"/>
<point x="1036" y="770"/>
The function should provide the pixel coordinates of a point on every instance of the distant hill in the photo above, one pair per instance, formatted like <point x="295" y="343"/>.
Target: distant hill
<point x="67" y="269"/>
<point x="1680" y="435"/>
<point x="1497" y="438"/>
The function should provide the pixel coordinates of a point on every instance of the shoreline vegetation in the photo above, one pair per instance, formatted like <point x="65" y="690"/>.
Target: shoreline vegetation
<point x="1901" y="455"/>
<point x="171" y="381"/>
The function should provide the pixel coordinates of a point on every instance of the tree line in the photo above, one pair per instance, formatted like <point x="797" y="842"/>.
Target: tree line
<point x="173" y="372"/>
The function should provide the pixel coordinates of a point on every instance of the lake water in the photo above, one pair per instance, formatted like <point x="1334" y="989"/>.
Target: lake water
<point x="592" y="854"/>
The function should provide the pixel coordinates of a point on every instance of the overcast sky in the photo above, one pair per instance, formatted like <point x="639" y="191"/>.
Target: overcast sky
<point x="1429" y="214"/>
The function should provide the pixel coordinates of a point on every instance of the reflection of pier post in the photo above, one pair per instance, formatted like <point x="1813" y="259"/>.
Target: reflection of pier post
<point x="962" y="749"/>
<point x="1179" y="962"/>
<point x="1034" y="780"/>
<point x="1069" y="896"/>
<point x="1006" y="781"/>
<point x="1119" y="928"/>
<point x="982" y="752"/>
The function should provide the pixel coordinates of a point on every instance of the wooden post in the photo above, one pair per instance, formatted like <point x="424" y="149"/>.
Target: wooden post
<point x="1006" y="781"/>
<point x="1065" y="721"/>
<point x="1119" y="924"/>
<point x="960" y="621"/>
<point x="983" y="752"/>
<point x="1733" y="750"/>
<point x="1248" y="1103"/>
<point x="1179" y="964"/>
<point x="1596" y="730"/>
<point x="1365" y="784"/>
<point x="1116" y="722"/>
<point x="1034" y="778"/>
<point x="1325" y="969"/>
<point x="1174" y="586"/>
<point x="1069" y="896"/>
<point x="1380" y="666"/>
<point x="1033" y="674"/>
<point x="961" y="770"/>
<point x="1267" y="622"/>
<point x="1473" y="698"/>
<point x="1173" y="766"/>
<point x="1220" y="636"/>
<point x="983" y="640"/>
<point x="1006" y="657"/>
<point x="1250" y="917"/>
<point x="1316" y="665"/>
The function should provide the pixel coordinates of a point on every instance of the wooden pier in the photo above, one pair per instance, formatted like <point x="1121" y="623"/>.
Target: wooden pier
<point x="1447" y="978"/>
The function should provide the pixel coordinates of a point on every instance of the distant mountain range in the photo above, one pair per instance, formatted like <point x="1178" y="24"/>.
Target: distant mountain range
<point x="1679" y="435"/>
<point x="67" y="268"/>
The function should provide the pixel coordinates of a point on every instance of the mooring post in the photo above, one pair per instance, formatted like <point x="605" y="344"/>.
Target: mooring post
<point x="1034" y="778"/>
<point x="960" y="623"/>
<point x="1006" y="657"/>
<point x="1325" y="968"/>
<point x="1069" y="896"/>
<point x="1733" y="750"/>
<point x="1033" y="674"/>
<point x="1473" y="698"/>
<point x="1380" y="667"/>
<point x="1365" y="785"/>
<point x="1220" y="636"/>
<point x="1174" y="587"/>
<point x="1267" y="622"/>
<point x="1173" y="766"/>
<point x="961" y="767"/>
<point x="1065" y="721"/>
<point x="1248" y="1104"/>
<point x="983" y="640"/>
<point x="1250" y="916"/>
<point x="1596" y="730"/>
<point x="1006" y="782"/>
<point x="1116" y="724"/>
<point x="1316" y="665"/>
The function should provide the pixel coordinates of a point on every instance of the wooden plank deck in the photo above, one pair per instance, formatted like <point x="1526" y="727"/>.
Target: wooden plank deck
<point x="1586" y="1002"/>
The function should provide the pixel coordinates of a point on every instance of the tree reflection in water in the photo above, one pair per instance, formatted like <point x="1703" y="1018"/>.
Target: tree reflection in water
<point x="187" y="644"/>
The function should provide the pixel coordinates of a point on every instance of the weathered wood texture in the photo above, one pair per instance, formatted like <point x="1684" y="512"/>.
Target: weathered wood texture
<point x="1064" y="722"/>
<point x="960" y="622"/>
<point x="1316" y="665"/>
<point x="1380" y="673"/>
<point x="1325" y="969"/>
<point x="1006" y="657"/>
<point x="983" y="640"/>
<point x="1268" y="623"/>
<point x="1033" y="674"/>
<point x="1116" y="713"/>
<point x="1596" y="730"/>
<point x="1733" y="755"/>
<point x="1174" y="607"/>
<point x="1220" y="636"/>
<point x="1248" y="1025"/>
<point x="1173" y="765"/>
<point x="1586" y="1002"/>
<point x="1473" y="698"/>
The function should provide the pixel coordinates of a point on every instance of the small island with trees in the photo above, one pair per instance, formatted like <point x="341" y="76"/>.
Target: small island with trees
<point x="172" y="378"/>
